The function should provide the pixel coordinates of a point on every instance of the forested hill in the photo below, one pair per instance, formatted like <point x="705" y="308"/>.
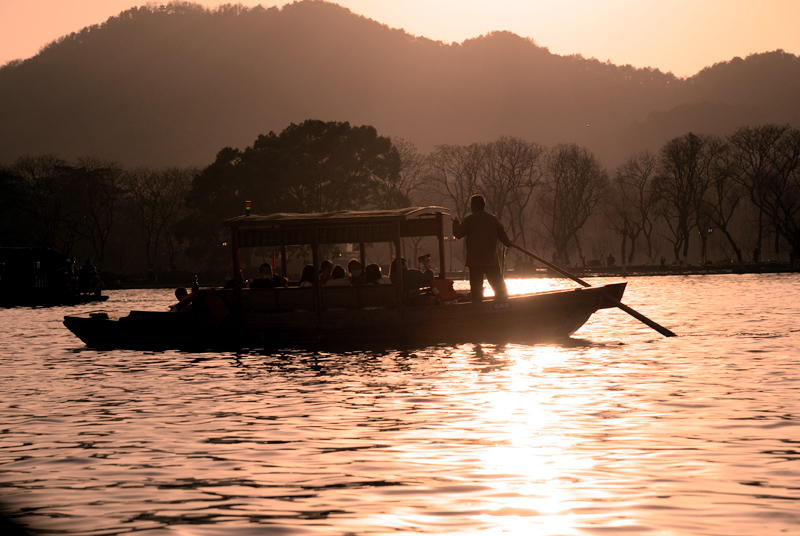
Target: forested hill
<point x="160" y="86"/>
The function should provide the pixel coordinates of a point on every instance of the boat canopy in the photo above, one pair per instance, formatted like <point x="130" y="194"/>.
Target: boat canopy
<point x="344" y="226"/>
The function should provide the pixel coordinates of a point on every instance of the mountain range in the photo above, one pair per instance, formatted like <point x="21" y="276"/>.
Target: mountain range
<point x="172" y="85"/>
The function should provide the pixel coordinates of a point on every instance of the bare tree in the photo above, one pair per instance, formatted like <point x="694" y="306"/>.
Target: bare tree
<point x="98" y="187"/>
<point x="50" y="208"/>
<point x="681" y="182"/>
<point x="397" y="190"/>
<point x="457" y="171"/>
<point x="723" y="199"/>
<point x="632" y="203"/>
<point x="765" y="160"/>
<point x="573" y="185"/>
<point x="714" y="196"/>
<point x="514" y="170"/>
<point x="158" y="196"/>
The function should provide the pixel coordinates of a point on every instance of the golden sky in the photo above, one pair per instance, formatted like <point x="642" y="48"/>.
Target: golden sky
<point x="681" y="36"/>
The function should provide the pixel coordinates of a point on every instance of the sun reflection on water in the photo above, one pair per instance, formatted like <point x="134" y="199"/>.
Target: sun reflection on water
<point x="530" y="415"/>
<point x="511" y="437"/>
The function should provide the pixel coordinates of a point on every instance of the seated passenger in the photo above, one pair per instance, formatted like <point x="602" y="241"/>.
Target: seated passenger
<point x="338" y="278"/>
<point x="184" y="301"/>
<point x="412" y="279"/>
<point x="356" y="272"/>
<point x="266" y="279"/>
<point x="307" y="276"/>
<point x="325" y="270"/>
<point x="373" y="276"/>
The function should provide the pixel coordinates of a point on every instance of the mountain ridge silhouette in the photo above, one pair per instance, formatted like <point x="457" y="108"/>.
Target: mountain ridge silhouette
<point x="173" y="85"/>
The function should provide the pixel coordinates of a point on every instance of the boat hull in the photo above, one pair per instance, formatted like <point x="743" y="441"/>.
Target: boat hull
<point x="523" y="318"/>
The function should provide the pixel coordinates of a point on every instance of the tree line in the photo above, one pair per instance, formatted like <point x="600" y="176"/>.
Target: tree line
<point x="123" y="219"/>
<point x="744" y="188"/>
<point x="739" y="193"/>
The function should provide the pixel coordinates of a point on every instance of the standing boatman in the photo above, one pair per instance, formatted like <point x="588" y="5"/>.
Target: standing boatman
<point x="483" y="230"/>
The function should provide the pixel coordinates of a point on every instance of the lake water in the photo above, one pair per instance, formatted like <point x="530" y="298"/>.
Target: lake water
<point x="618" y="431"/>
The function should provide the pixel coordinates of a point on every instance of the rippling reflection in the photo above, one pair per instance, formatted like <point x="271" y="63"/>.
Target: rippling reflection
<point x="616" y="431"/>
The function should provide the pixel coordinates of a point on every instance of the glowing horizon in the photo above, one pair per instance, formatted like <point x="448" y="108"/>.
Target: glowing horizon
<point x="681" y="37"/>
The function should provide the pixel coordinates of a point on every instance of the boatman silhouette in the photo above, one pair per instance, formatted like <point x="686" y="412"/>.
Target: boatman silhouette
<point x="483" y="231"/>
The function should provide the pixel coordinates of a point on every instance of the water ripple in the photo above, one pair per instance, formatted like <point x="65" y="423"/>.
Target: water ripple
<point x="616" y="431"/>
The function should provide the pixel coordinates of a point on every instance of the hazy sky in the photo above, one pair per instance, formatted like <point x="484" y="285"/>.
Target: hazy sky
<point x="681" y="36"/>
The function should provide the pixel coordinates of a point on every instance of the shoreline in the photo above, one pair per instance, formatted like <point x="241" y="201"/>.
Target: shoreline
<point x="142" y="281"/>
<point x="649" y="270"/>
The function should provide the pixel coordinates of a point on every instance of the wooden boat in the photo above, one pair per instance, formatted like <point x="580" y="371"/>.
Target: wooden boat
<point x="362" y="316"/>
<point x="32" y="277"/>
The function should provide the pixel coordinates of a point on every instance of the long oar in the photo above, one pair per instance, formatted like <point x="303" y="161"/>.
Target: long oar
<point x="638" y="316"/>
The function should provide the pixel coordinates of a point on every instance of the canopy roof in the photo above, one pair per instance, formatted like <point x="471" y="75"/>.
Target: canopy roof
<point x="345" y="226"/>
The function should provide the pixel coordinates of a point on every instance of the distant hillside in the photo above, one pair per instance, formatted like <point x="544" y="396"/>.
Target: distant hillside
<point x="173" y="85"/>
